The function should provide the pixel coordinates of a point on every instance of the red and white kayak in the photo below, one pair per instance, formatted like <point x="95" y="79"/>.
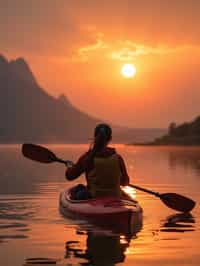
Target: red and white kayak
<point x="124" y="214"/>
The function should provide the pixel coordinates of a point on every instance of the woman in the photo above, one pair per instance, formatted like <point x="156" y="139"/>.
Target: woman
<point x="104" y="168"/>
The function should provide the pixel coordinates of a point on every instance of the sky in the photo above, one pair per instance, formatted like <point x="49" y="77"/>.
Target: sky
<point x="78" y="47"/>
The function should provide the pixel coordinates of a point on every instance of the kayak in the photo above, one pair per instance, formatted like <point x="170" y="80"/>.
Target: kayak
<point x="124" y="214"/>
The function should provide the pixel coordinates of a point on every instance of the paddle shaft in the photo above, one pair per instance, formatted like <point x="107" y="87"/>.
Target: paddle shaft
<point x="58" y="160"/>
<point x="67" y="162"/>
<point x="145" y="190"/>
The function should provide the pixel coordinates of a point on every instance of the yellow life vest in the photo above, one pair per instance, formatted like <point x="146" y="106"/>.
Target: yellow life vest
<point x="104" y="178"/>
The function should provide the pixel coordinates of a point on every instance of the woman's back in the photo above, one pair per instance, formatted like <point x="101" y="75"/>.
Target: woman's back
<point x="104" y="169"/>
<point x="104" y="178"/>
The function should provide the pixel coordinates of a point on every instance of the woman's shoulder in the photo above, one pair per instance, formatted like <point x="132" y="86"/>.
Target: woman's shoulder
<point x="106" y="152"/>
<point x="110" y="150"/>
<point x="113" y="151"/>
<point x="84" y="155"/>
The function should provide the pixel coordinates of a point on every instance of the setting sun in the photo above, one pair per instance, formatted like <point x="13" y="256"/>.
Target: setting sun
<point x="128" y="70"/>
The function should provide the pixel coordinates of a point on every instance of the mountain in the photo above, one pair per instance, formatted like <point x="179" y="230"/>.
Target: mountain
<point x="29" y="114"/>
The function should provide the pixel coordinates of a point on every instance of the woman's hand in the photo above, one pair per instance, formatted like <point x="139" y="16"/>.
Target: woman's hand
<point x="69" y="163"/>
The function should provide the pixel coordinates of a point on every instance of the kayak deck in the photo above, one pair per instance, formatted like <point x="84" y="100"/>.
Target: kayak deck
<point x="124" y="214"/>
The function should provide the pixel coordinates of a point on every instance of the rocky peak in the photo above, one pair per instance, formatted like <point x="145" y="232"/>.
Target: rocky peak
<point x="63" y="99"/>
<point x="20" y="68"/>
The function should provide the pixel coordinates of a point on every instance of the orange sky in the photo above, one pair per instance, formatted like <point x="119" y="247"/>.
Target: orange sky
<point x="78" y="47"/>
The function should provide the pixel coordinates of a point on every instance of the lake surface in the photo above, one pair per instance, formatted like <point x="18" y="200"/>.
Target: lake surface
<point x="31" y="226"/>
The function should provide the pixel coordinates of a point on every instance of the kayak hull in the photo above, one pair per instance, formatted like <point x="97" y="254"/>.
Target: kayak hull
<point x="121" y="215"/>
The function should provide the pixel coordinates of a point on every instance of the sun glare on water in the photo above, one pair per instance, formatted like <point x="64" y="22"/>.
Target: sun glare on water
<point x="128" y="70"/>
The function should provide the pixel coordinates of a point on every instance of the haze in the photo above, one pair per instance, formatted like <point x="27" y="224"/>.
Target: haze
<point x="78" y="47"/>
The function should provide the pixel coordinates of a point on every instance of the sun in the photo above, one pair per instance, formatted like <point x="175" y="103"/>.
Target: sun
<point x="128" y="70"/>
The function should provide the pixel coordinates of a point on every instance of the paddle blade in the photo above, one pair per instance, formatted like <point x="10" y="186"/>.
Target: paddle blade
<point x="38" y="153"/>
<point x="177" y="202"/>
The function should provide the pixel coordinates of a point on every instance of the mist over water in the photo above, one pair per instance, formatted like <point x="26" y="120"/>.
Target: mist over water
<point x="33" y="230"/>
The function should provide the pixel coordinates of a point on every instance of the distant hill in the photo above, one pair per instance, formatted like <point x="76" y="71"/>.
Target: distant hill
<point x="29" y="114"/>
<point x="187" y="133"/>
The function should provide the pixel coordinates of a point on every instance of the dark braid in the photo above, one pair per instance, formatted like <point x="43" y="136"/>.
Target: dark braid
<point x="102" y="135"/>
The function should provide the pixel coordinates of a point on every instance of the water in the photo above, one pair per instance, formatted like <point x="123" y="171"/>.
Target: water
<point x="32" y="230"/>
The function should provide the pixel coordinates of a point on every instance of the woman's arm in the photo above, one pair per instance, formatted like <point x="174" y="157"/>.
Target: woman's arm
<point x="76" y="170"/>
<point x="124" y="175"/>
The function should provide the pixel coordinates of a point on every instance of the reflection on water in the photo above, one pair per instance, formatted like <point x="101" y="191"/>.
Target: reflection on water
<point x="180" y="222"/>
<point x="101" y="249"/>
<point x="187" y="158"/>
<point x="33" y="232"/>
<point x="39" y="261"/>
<point x="13" y="216"/>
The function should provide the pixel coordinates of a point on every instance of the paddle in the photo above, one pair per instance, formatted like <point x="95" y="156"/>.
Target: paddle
<point x="41" y="154"/>
<point x="172" y="200"/>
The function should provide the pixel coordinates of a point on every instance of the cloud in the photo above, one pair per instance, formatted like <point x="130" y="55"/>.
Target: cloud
<point x="128" y="50"/>
<point x="122" y="50"/>
<point x="86" y="52"/>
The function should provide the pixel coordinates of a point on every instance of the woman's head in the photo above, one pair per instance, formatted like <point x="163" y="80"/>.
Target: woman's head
<point x="102" y="135"/>
<point x="104" y="131"/>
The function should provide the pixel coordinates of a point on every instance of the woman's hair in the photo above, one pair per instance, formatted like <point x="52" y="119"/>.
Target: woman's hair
<point x="102" y="135"/>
